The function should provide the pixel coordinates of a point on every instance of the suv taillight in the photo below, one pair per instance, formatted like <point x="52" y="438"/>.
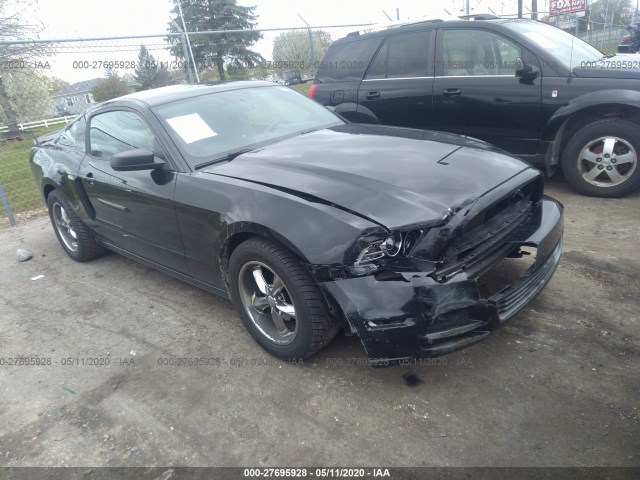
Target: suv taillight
<point x="312" y="90"/>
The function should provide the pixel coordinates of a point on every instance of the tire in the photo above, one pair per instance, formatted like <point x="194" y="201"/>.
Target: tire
<point x="289" y="318"/>
<point x="74" y="236"/>
<point x="601" y="159"/>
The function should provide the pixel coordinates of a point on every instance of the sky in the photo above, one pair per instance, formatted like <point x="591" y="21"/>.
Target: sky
<point x="96" y="18"/>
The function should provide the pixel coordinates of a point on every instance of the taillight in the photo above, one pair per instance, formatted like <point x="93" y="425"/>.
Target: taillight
<point x="312" y="90"/>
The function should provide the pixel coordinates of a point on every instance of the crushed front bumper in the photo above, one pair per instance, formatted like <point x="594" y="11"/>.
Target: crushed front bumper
<point x="413" y="315"/>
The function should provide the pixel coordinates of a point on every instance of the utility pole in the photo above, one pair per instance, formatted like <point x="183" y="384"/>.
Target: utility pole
<point x="534" y="9"/>
<point x="184" y="29"/>
<point x="468" y="9"/>
<point x="519" y="8"/>
<point x="311" y="43"/>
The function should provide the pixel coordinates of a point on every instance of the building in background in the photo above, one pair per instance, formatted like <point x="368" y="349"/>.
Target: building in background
<point x="75" y="98"/>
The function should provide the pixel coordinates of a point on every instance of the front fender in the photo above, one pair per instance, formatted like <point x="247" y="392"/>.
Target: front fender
<point x="617" y="97"/>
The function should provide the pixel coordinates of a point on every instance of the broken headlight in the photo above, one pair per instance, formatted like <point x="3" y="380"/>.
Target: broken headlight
<point x="372" y="256"/>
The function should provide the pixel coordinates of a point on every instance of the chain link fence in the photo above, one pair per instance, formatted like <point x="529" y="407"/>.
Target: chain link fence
<point x="605" y="36"/>
<point x="44" y="93"/>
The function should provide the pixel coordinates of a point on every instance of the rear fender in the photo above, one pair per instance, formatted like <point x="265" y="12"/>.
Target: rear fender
<point x="356" y="113"/>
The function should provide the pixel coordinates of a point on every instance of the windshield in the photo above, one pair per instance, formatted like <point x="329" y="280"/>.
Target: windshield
<point x="214" y="126"/>
<point x="566" y="48"/>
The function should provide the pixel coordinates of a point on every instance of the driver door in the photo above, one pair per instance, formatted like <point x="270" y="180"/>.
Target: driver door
<point x="133" y="210"/>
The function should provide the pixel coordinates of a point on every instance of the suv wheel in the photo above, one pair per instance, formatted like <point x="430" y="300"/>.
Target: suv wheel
<point x="601" y="159"/>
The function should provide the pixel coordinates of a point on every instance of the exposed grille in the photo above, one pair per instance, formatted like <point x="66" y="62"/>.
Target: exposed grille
<point x="487" y="231"/>
<point x="515" y="297"/>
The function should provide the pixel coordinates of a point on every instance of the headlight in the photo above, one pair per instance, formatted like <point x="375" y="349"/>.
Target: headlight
<point x="369" y="259"/>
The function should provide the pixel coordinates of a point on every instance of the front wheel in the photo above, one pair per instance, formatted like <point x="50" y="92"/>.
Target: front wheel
<point x="601" y="159"/>
<point x="279" y="302"/>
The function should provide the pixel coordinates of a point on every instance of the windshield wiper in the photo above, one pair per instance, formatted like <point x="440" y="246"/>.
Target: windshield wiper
<point x="226" y="158"/>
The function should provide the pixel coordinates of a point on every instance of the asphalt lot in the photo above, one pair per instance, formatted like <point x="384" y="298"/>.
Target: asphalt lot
<point x="558" y="386"/>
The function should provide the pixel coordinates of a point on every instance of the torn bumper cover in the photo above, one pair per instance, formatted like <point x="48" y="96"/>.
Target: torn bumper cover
<point x="413" y="315"/>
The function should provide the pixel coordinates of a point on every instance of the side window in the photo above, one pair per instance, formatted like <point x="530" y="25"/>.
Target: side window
<point x="402" y="56"/>
<point x="73" y="135"/>
<point x="478" y="52"/>
<point x="507" y="53"/>
<point x="119" y="131"/>
<point x="346" y="62"/>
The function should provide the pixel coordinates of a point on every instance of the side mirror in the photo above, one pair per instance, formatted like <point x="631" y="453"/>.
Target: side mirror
<point x="136" y="159"/>
<point x="526" y="70"/>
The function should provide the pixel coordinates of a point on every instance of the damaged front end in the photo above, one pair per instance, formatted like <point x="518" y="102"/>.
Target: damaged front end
<point x="427" y="290"/>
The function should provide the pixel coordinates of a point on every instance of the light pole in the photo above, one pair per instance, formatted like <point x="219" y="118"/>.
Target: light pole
<point x="184" y="29"/>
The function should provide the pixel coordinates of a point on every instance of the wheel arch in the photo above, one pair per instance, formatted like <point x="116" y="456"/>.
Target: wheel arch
<point x="356" y="113"/>
<point x="47" y="189"/>
<point x="246" y="231"/>
<point x="236" y="233"/>
<point x="570" y="119"/>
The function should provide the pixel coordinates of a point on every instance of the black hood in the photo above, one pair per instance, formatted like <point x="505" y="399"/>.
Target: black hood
<point x="394" y="176"/>
<point x="618" y="66"/>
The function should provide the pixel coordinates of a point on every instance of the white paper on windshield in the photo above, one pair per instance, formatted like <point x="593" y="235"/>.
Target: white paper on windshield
<point x="191" y="128"/>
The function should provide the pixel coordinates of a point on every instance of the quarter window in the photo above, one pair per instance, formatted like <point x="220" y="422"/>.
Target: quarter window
<point x="478" y="52"/>
<point x="402" y="56"/>
<point x="118" y="131"/>
<point x="73" y="135"/>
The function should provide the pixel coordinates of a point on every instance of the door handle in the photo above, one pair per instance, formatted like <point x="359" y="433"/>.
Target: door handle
<point x="373" y="95"/>
<point x="89" y="178"/>
<point x="452" y="92"/>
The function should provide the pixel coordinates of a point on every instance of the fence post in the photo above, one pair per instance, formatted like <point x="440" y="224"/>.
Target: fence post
<point x="313" y="50"/>
<point x="185" y="52"/>
<point x="311" y="46"/>
<point x="7" y="207"/>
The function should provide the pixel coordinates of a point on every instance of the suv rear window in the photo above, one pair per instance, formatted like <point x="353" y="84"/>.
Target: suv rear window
<point x="345" y="62"/>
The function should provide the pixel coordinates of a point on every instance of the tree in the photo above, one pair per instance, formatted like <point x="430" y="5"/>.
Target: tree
<point x="293" y="49"/>
<point x="150" y="73"/>
<point x="27" y="94"/>
<point x="56" y="84"/>
<point x="14" y="57"/>
<point x="111" y="87"/>
<point x="220" y="50"/>
<point x="603" y="12"/>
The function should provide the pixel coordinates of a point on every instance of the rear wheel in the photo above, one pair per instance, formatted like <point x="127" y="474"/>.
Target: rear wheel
<point x="601" y="159"/>
<point x="74" y="236"/>
<point x="279" y="302"/>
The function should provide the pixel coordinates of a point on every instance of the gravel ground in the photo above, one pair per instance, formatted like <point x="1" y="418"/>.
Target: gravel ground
<point x="557" y="386"/>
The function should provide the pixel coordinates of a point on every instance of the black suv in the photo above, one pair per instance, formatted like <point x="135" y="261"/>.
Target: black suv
<point x="522" y="85"/>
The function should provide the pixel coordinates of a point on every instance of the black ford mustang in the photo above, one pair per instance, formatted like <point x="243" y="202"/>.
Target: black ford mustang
<point x="307" y="223"/>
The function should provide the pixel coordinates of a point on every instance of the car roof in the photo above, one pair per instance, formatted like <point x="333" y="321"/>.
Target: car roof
<point x="431" y="23"/>
<point x="162" y="95"/>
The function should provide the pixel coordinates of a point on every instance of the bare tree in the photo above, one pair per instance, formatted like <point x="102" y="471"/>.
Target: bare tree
<point x="13" y="28"/>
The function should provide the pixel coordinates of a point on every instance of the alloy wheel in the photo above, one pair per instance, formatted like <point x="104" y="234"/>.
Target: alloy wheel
<point x="64" y="227"/>
<point x="607" y="161"/>
<point x="266" y="300"/>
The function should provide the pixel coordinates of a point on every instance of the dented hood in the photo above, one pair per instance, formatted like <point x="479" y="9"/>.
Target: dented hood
<point x="395" y="177"/>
